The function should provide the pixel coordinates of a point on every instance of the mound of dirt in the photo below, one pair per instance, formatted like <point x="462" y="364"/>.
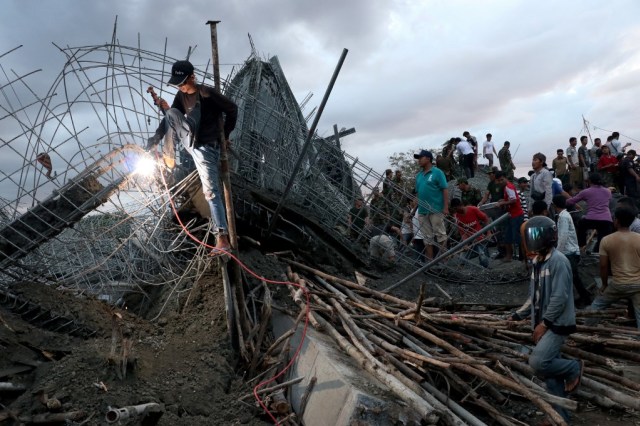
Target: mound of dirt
<point x="183" y="362"/>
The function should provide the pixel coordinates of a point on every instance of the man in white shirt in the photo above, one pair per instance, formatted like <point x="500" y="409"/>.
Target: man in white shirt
<point x="615" y="146"/>
<point x="575" y="173"/>
<point x="474" y="145"/>
<point x="465" y="149"/>
<point x="568" y="245"/>
<point x="488" y="150"/>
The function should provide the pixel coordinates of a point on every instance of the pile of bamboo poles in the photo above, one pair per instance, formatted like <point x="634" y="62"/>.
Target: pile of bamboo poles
<point x="458" y="368"/>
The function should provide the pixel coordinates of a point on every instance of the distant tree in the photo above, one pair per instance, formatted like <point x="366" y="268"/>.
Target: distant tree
<point x="405" y="162"/>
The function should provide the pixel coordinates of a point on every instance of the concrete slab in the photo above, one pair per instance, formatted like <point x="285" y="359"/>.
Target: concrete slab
<point x="344" y="394"/>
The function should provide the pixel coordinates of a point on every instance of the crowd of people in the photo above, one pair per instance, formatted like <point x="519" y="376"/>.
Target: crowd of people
<point x="550" y="220"/>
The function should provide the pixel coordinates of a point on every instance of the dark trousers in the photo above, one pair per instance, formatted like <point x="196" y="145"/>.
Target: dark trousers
<point x="583" y="293"/>
<point x="602" y="227"/>
<point x="468" y="166"/>
<point x="418" y="247"/>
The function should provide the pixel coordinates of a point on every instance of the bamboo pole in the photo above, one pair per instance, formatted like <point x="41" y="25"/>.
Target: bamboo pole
<point x="422" y="407"/>
<point x="355" y="286"/>
<point x="487" y="374"/>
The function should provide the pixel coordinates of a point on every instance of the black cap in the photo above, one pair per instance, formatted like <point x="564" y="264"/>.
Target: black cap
<point x="423" y="153"/>
<point x="180" y="71"/>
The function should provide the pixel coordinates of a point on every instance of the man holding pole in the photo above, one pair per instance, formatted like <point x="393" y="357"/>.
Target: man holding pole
<point x="193" y="120"/>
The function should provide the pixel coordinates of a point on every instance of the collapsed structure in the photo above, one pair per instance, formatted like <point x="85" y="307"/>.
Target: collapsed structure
<point x="108" y="81"/>
<point x="81" y="218"/>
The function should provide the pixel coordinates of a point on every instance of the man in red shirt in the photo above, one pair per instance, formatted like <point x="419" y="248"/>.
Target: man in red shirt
<point x="511" y="202"/>
<point x="470" y="220"/>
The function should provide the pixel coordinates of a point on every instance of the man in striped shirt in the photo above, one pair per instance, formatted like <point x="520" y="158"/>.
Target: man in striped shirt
<point x="523" y="188"/>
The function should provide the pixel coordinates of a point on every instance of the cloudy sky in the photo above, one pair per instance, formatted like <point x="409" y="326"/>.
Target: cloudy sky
<point x="417" y="72"/>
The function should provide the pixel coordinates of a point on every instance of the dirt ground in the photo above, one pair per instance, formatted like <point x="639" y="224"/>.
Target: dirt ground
<point x="182" y="360"/>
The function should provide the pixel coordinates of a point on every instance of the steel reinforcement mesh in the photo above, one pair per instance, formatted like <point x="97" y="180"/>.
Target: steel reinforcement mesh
<point x="75" y="212"/>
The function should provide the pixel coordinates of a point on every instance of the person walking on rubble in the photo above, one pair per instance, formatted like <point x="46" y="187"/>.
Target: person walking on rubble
<point x="568" y="245"/>
<point x="193" y="120"/>
<point x="506" y="162"/>
<point x="573" y="159"/>
<point x="598" y="215"/>
<point x="541" y="187"/>
<point x="488" y="150"/>
<point x="466" y="152"/>
<point x="550" y="306"/>
<point x="619" y="265"/>
<point x="433" y="202"/>
<point x="511" y="203"/>
<point x="469" y="195"/>
<point x="470" y="220"/>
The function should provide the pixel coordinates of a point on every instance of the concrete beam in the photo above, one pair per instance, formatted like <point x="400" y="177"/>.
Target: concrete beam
<point x="344" y="394"/>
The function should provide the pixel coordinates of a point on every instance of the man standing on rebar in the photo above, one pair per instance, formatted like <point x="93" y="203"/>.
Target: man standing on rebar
<point x="193" y="121"/>
<point x="433" y="202"/>
<point x="550" y="306"/>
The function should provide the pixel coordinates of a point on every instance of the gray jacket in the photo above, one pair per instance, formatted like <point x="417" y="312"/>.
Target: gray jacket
<point x="541" y="182"/>
<point x="551" y="295"/>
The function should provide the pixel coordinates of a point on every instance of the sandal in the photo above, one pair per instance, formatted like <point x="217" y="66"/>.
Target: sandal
<point x="572" y="386"/>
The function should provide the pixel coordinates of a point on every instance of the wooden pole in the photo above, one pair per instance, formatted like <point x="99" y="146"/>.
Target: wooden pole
<point x="235" y="272"/>
<point x="224" y="156"/>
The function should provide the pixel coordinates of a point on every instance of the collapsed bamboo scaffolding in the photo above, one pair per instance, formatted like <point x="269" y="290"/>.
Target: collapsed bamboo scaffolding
<point x="414" y="349"/>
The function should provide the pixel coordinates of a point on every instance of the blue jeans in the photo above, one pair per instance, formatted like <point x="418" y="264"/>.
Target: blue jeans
<point x="206" y="159"/>
<point x="548" y="363"/>
<point x="481" y="250"/>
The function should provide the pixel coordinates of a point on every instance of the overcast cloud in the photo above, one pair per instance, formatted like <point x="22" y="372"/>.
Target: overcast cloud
<point x="417" y="72"/>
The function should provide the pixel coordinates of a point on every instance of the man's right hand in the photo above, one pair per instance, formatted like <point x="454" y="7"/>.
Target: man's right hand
<point x="164" y="105"/>
<point x="152" y="142"/>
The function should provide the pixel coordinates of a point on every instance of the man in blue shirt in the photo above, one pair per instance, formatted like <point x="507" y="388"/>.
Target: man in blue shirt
<point x="433" y="202"/>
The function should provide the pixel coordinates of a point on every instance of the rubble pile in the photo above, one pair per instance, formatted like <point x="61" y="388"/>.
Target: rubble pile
<point x="461" y="367"/>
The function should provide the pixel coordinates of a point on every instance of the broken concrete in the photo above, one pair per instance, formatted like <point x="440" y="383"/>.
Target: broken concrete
<point x="343" y="394"/>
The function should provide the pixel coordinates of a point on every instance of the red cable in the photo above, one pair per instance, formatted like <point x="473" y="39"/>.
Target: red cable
<point x="249" y="271"/>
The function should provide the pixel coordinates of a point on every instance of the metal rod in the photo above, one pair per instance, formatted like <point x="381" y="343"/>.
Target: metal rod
<point x="447" y="253"/>
<point x="306" y="145"/>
